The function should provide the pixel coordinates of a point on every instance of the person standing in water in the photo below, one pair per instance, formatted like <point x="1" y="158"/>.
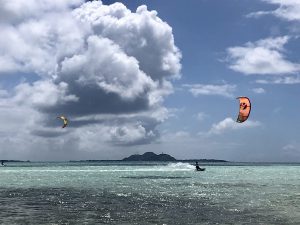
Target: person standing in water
<point x="2" y="163"/>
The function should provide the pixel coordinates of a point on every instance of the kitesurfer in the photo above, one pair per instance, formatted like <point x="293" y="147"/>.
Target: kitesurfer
<point x="197" y="166"/>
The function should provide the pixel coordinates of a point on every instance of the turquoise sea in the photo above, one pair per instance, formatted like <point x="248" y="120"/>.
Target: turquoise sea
<point x="114" y="192"/>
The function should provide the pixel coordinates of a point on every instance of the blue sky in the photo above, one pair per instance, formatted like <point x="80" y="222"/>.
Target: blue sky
<point x="222" y="50"/>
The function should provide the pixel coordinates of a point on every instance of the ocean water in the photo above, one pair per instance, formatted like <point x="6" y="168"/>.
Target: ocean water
<point x="149" y="193"/>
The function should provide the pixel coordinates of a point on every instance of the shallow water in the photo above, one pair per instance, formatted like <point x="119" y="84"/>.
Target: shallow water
<point x="149" y="193"/>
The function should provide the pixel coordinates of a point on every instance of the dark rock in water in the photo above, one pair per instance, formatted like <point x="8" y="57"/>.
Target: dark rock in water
<point x="150" y="156"/>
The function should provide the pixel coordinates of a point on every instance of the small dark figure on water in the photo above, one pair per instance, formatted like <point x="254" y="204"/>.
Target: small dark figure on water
<point x="197" y="166"/>
<point x="2" y="163"/>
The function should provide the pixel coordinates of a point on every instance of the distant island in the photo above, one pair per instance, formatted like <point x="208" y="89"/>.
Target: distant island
<point x="150" y="156"/>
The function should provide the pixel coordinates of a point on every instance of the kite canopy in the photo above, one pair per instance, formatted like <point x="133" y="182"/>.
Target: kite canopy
<point x="245" y="108"/>
<point x="65" y="120"/>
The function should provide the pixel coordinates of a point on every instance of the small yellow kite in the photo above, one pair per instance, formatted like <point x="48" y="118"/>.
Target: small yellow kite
<point x="65" y="120"/>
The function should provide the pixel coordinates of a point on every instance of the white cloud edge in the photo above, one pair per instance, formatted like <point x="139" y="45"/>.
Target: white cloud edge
<point x="225" y="90"/>
<point x="287" y="10"/>
<point x="280" y="80"/>
<point x="229" y="124"/>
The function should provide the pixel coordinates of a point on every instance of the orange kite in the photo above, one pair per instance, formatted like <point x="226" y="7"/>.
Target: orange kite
<point x="245" y="108"/>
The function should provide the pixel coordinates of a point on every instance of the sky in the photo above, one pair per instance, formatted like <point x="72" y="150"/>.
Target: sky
<point x="136" y="76"/>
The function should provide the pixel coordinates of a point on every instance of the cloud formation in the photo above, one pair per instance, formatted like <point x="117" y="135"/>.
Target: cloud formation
<point x="280" y="80"/>
<point x="225" y="90"/>
<point x="287" y="10"/>
<point x="259" y="90"/>
<point x="92" y="61"/>
<point x="263" y="57"/>
<point x="229" y="124"/>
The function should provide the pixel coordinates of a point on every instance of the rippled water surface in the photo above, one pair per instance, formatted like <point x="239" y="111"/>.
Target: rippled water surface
<point x="149" y="193"/>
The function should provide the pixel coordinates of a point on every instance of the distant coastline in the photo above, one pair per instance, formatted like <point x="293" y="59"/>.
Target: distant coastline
<point x="4" y="160"/>
<point x="204" y="160"/>
<point x="151" y="156"/>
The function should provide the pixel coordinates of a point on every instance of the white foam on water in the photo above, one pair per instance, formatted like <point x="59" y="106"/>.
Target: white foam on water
<point x="169" y="167"/>
<point x="180" y="166"/>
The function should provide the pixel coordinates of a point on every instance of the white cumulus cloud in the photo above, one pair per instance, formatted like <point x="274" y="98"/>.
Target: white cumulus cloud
<point x="229" y="124"/>
<point x="91" y="61"/>
<point x="265" y="56"/>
